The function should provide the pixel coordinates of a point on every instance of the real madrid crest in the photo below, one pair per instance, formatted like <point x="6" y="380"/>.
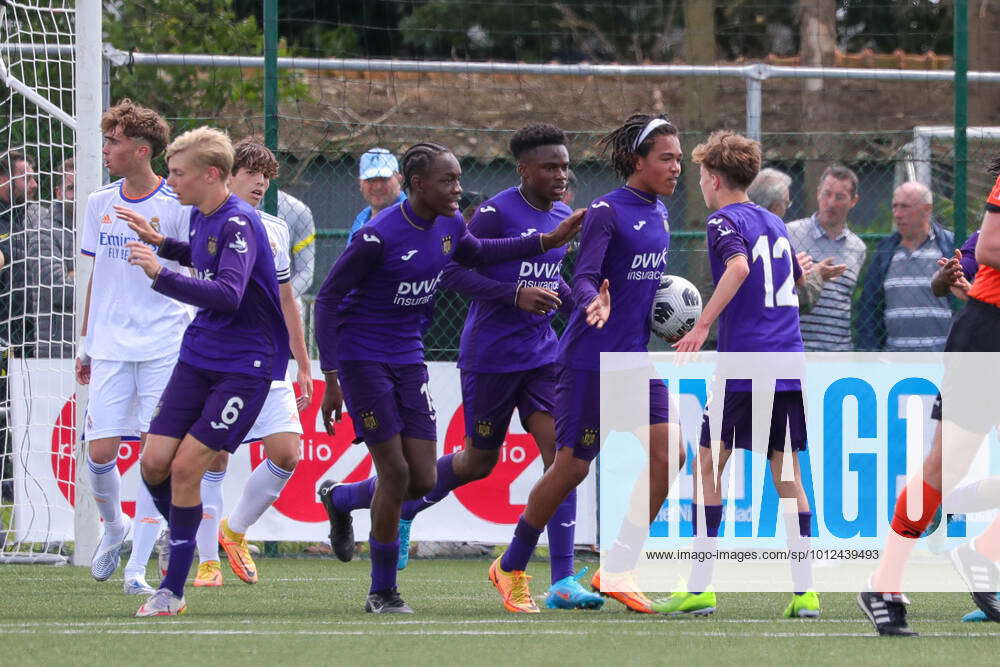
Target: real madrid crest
<point x="154" y="222"/>
<point x="446" y="244"/>
<point x="213" y="245"/>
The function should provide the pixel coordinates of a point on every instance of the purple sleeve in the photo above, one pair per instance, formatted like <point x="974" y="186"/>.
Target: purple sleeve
<point x="359" y="260"/>
<point x="725" y="241"/>
<point x="566" y="296"/>
<point x="969" y="263"/>
<point x="598" y="227"/>
<point x="476" y="285"/>
<point x="472" y="251"/>
<point x="224" y="292"/>
<point x="178" y="251"/>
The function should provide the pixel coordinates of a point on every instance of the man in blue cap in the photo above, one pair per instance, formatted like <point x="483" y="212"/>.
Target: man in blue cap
<point x="381" y="185"/>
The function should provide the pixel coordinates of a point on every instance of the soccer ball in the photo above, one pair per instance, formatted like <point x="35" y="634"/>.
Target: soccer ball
<point x="676" y="307"/>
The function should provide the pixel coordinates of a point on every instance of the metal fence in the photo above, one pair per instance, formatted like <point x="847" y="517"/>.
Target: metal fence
<point x="319" y="154"/>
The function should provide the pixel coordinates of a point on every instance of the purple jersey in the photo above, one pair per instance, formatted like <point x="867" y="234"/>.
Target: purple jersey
<point x="625" y="239"/>
<point x="377" y="298"/>
<point x="239" y="327"/>
<point x="498" y="336"/>
<point x="763" y="315"/>
<point x="969" y="263"/>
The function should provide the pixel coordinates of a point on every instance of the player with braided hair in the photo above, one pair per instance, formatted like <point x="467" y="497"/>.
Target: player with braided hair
<point x="623" y="229"/>
<point x="370" y="313"/>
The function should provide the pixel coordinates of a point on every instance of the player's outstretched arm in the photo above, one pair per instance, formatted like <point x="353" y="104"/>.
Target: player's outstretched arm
<point x="599" y="309"/>
<point x="297" y="342"/>
<point x="737" y="270"/>
<point x="565" y="232"/>
<point x="224" y="291"/>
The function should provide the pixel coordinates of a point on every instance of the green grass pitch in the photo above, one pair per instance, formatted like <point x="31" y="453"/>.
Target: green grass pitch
<point x="312" y="610"/>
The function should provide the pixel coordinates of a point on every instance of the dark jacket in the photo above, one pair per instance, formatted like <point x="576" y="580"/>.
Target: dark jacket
<point x="50" y="271"/>
<point x="17" y="293"/>
<point x="869" y="322"/>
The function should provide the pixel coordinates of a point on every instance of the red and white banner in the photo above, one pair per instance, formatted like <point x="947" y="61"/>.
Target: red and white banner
<point x="485" y="511"/>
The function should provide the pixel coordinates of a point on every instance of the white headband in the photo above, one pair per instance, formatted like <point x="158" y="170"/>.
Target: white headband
<point x="650" y="126"/>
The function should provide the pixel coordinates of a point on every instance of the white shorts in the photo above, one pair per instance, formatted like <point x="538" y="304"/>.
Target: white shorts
<point x="123" y="395"/>
<point x="279" y="414"/>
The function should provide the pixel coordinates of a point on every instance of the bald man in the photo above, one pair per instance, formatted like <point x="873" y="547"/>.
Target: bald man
<point x="898" y="311"/>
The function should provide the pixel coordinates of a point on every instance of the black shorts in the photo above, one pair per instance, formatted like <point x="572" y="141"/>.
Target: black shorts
<point x="975" y="329"/>
<point x="787" y="416"/>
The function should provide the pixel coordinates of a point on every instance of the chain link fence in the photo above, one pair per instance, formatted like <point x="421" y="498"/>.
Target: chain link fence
<point x="327" y="183"/>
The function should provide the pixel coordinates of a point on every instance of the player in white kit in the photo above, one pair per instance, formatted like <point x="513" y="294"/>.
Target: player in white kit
<point x="278" y="424"/>
<point x="131" y="335"/>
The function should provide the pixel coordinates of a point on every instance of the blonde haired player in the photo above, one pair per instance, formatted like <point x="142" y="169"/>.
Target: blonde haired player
<point x="278" y="424"/>
<point x="131" y="335"/>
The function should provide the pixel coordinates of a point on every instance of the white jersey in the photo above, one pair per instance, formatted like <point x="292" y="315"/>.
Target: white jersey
<point x="277" y="235"/>
<point x="128" y="321"/>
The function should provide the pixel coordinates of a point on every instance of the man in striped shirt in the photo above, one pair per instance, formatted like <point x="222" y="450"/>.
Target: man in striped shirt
<point x="897" y="309"/>
<point x="827" y="327"/>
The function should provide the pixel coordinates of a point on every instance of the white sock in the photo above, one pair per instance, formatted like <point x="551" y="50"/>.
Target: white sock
<point x="262" y="489"/>
<point x="145" y="530"/>
<point x="106" y="483"/>
<point x="802" y="570"/>
<point x="211" y="504"/>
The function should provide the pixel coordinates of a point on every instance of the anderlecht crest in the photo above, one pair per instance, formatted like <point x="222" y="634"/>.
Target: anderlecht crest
<point x="446" y="244"/>
<point x="369" y="420"/>
<point x="589" y="437"/>
<point x="213" y="245"/>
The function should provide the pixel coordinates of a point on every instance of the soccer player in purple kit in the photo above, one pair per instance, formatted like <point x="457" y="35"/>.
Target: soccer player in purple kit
<point x="236" y="345"/>
<point x="625" y="228"/>
<point x="755" y="270"/>
<point x="370" y="314"/>
<point x="508" y="350"/>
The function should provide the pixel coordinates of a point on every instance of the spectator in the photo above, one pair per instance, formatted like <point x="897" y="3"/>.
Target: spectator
<point x="381" y="185"/>
<point x="824" y="235"/>
<point x="897" y="310"/>
<point x="18" y="214"/>
<point x="468" y="202"/>
<point x="771" y="190"/>
<point x="50" y="262"/>
<point x="302" y="236"/>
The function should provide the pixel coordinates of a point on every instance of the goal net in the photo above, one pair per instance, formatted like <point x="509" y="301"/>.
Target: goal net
<point x="37" y="237"/>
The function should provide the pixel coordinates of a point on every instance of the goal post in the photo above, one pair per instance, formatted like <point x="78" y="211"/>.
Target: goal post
<point x="89" y="100"/>
<point x="51" y="98"/>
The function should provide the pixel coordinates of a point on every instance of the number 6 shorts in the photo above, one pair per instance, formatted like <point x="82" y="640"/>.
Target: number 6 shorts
<point x="388" y="399"/>
<point x="216" y="408"/>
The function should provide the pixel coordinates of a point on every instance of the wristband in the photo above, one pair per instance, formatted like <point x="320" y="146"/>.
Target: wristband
<point x="81" y="351"/>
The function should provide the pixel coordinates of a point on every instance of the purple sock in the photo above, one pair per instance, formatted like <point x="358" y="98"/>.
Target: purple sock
<point x="183" y="523"/>
<point x="161" y="495"/>
<point x="562" y="531"/>
<point x="384" y="557"/>
<point x="521" y="547"/>
<point x="447" y="481"/>
<point x="701" y="572"/>
<point x="624" y="554"/>
<point x="356" y="496"/>
<point x="805" y="524"/>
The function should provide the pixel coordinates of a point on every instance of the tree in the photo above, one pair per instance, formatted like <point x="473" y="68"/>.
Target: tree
<point x="187" y="94"/>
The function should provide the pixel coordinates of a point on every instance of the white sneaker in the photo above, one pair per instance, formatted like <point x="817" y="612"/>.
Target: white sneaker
<point x="163" y="551"/>
<point x="162" y="603"/>
<point x="109" y="552"/>
<point x="136" y="585"/>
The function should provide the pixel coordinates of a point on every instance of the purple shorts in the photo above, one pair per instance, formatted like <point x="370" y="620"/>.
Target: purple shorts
<point x="737" y="417"/>
<point x="578" y="410"/>
<point x="490" y="398"/>
<point x="388" y="399"/>
<point x="216" y="408"/>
